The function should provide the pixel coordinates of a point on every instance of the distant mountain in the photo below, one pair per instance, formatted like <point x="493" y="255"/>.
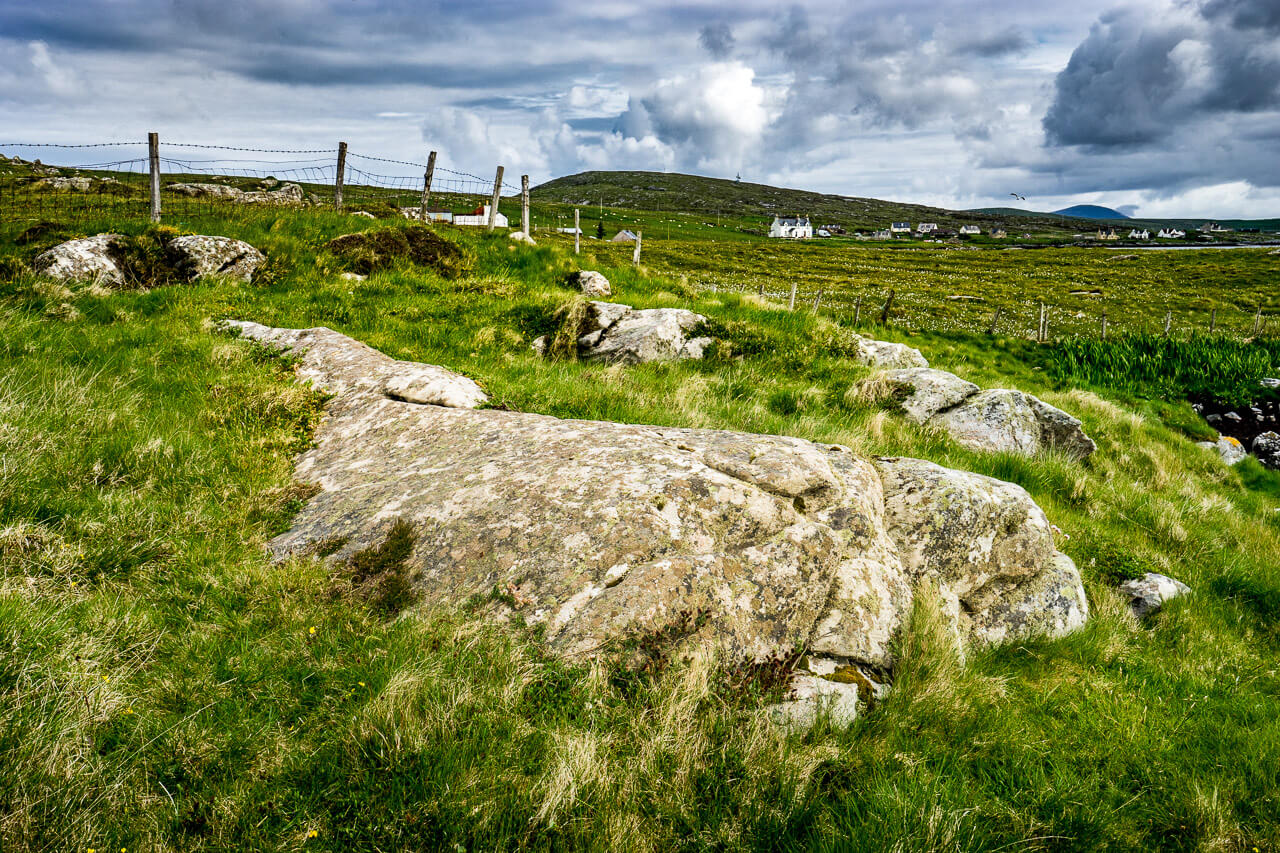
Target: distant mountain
<point x="1091" y="211"/>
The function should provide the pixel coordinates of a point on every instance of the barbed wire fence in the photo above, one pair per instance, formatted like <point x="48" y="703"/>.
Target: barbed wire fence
<point x="180" y="182"/>
<point x="184" y="182"/>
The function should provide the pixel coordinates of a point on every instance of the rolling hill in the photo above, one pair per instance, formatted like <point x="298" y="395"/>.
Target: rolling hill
<point x="1090" y="211"/>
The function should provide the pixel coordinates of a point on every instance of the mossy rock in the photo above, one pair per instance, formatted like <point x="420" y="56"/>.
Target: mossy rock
<point x="150" y="260"/>
<point x="369" y="251"/>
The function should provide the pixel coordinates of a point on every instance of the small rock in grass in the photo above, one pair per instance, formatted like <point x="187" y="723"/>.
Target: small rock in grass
<point x="1148" y="593"/>
<point x="591" y="283"/>
<point x="814" y="696"/>
<point x="521" y="237"/>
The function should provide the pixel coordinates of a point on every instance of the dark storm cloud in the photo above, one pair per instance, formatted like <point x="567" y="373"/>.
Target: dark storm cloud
<point x="310" y="69"/>
<point x="1136" y="81"/>
<point x="716" y="39"/>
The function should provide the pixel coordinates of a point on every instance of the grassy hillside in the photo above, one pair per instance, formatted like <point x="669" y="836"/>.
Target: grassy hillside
<point x="163" y="685"/>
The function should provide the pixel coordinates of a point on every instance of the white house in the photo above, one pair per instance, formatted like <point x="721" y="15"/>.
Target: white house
<point x="480" y="216"/>
<point x="793" y="228"/>
<point x="926" y="227"/>
<point x="1171" y="234"/>
<point x="900" y="228"/>
<point x="1135" y="234"/>
<point x="1214" y="228"/>
<point x="970" y="230"/>
<point x="882" y="235"/>
<point x="822" y="232"/>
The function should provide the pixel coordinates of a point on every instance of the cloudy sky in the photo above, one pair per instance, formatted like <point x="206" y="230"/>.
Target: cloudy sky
<point x="1157" y="107"/>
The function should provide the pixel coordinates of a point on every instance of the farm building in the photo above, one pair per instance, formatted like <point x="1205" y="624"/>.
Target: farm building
<point x="926" y="227"/>
<point x="793" y="228"/>
<point x="999" y="233"/>
<point x="624" y="236"/>
<point x="882" y="235"/>
<point x="970" y="230"/>
<point x="900" y="228"/>
<point x="480" y="216"/>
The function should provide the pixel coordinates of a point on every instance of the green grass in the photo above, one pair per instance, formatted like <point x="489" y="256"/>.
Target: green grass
<point x="163" y="685"/>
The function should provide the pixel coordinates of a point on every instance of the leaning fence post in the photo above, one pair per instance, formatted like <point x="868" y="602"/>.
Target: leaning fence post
<point x="426" y="184"/>
<point x="884" y="312"/>
<point x="760" y="290"/>
<point x="817" y="300"/>
<point x="153" y="157"/>
<point x="635" y="253"/>
<point x="1104" y="325"/>
<point x="791" y="302"/>
<point x="1257" y="322"/>
<point x="1168" y="321"/>
<point x="577" y="232"/>
<point x="339" y="176"/>
<point x="857" y="311"/>
<point x="497" y="194"/>
<point x="524" y="205"/>
<point x="995" y="320"/>
<point x="1213" y="319"/>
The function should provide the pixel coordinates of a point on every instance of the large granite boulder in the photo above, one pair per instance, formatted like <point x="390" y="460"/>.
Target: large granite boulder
<point x="999" y="420"/>
<point x="621" y="334"/>
<point x="86" y="259"/>
<point x="600" y="532"/>
<point x="220" y="255"/>
<point x="1014" y="422"/>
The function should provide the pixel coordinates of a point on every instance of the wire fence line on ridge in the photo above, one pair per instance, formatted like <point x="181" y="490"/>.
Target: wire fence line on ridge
<point x="184" y="182"/>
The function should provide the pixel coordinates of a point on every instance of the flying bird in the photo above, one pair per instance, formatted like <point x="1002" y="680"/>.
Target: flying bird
<point x="1018" y="197"/>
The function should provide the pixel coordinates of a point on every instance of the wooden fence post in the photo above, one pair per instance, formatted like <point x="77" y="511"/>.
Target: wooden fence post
<point x="153" y="157"/>
<point x="524" y="205"/>
<point x="888" y="306"/>
<point x="995" y="320"/>
<point x="791" y="302"/>
<point x="635" y="253"/>
<point x="497" y="194"/>
<point x="1213" y="319"/>
<point x="1041" y="330"/>
<point x="340" y="176"/>
<point x="817" y="300"/>
<point x="577" y="232"/>
<point x="1168" y="321"/>
<point x="426" y="184"/>
<point x="1104" y="325"/>
<point x="760" y="291"/>
<point x="1257" y="322"/>
<point x="857" y="311"/>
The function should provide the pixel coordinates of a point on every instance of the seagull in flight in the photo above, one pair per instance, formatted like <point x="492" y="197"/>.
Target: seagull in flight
<point x="1018" y="197"/>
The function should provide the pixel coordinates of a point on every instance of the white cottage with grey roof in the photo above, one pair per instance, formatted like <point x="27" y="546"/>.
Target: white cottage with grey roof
<point x="795" y="228"/>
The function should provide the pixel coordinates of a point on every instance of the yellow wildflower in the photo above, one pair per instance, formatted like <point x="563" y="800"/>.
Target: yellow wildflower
<point x="313" y="630"/>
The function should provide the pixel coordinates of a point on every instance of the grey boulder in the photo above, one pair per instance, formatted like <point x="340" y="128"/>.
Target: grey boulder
<point x="220" y="255"/>
<point x="928" y="391"/>
<point x="599" y="532"/>
<point x="1266" y="446"/>
<point x="1003" y="420"/>
<point x="617" y="333"/>
<point x="887" y="354"/>
<point x="1148" y="593"/>
<point x="592" y="283"/>
<point x="86" y="259"/>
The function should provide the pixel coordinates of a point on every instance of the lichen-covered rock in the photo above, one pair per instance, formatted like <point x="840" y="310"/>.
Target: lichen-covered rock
<point x="929" y="391"/>
<point x="1266" y="446"/>
<point x="87" y="259"/>
<point x="286" y="195"/>
<point x="77" y="184"/>
<point x="196" y="190"/>
<point x="811" y="698"/>
<point x="1014" y="422"/>
<point x="1148" y="593"/>
<point x="600" y="532"/>
<point x="621" y="334"/>
<point x="1228" y="448"/>
<point x="220" y="255"/>
<point x="987" y="546"/>
<point x="592" y="283"/>
<point x="889" y="355"/>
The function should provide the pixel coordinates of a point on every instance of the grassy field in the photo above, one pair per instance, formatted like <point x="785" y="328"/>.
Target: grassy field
<point x="164" y="686"/>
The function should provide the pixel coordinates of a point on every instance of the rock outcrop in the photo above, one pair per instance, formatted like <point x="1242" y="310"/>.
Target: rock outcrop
<point x="998" y="420"/>
<point x="90" y="258"/>
<point x="1267" y="448"/>
<point x="220" y="255"/>
<point x="617" y="333"/>
<point x="287" y="194"/>
<point x="888" y="355"/>
<point x="1149" y="593"/>
<point x="86" y="259"/>
<point x="591" y="283"/>
<point x="78" y="183"/>
<point x="1231" y="450"/>
<point x="599" y="532"/>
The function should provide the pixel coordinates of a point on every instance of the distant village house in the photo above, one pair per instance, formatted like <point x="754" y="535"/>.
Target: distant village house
<point x="970" y="230"/>
<point x="1171" y="234"/>
<point x="480" y="216"/>
<point x="900" y="228"/>
<point x="926" y="227"/>
<point x="1135" y="234"/>
<point x="624" y="236"/>
<point x="792" y="228"/>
